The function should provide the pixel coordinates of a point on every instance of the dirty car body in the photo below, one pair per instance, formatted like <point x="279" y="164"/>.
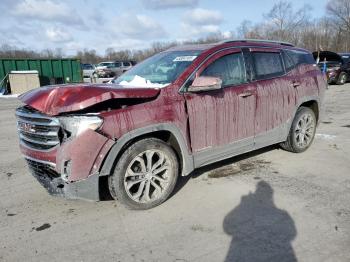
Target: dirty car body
<point x="73" y="135"/>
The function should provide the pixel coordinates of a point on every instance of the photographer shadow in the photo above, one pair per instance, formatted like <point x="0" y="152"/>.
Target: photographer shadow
<point x="260" y="231"/>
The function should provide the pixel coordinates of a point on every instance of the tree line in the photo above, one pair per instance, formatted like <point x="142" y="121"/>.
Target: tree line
<point x="283" y="23"/>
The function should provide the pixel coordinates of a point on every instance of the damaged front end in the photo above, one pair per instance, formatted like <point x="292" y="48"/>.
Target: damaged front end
<point x="63" y="153"/>
<point x="62" y="136"/>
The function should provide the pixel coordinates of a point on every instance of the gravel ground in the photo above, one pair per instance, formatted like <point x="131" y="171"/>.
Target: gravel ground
<point x="269" y="205"/>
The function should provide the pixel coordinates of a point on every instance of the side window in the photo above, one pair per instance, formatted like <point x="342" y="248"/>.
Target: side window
<point x="126" y="64"/>
<point x="230" y="68"/>
<point x="288" y="62"/>
<point x="267" y="65"/>
<point x="300" y="57"/>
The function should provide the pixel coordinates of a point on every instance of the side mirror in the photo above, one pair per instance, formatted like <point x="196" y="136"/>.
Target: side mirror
<point x="205" y="83"/>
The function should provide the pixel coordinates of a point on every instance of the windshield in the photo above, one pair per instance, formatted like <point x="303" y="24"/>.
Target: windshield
<point x="159" y="70"/>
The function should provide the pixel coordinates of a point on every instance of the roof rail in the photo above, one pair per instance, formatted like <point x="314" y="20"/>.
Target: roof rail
<point x="257" y="41"/>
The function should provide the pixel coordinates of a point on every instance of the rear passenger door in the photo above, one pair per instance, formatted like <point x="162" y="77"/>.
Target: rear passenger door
<point x="308" y="77"/>
<point x="275" y="96"/>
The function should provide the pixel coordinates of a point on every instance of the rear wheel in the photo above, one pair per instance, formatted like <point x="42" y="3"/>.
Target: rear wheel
<point x="343" y="77"/>
<point x="145" y="174"/>
<point x="302" y="131"/>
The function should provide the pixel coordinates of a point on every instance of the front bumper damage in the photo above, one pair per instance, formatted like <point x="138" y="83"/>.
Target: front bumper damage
<point x="78" y="180"/>
<point x="87" y="189"/>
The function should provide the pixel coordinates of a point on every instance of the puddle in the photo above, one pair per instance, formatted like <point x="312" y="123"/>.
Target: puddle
<point x="348" y="126"/>
<point x="242" y="166"/>
<point x="225" y="171"/>
<point x="327" y="122"/>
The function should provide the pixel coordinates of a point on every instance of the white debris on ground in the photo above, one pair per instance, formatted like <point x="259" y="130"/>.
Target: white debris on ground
<point x="9" y="96"/>
<point x="325" y="136"/>
<point x="139" y="81"/>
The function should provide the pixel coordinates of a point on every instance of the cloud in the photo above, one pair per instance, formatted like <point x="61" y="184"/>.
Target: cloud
<point x="227" y="34"/>
<point x="9" y="38"/>
<point x="200" y="16"/>
<point x="48" y="10"/>
<point x="196" y="30"/>
<point x="138" y="27"/>
<point x="168" y="4"/>
<point x="200" y="22"/>
<point x="58" y="35"/>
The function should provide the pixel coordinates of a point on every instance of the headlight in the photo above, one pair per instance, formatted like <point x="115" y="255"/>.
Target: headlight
<point x="75" y="125"/>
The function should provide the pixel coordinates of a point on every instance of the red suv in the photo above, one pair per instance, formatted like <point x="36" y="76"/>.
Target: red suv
<point x="178" y="110"/>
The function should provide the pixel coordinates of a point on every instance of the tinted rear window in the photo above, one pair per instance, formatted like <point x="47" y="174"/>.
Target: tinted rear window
<point x="300" y="57"/>
<point x="267" y="65"/>
<point x="288" y="61"/>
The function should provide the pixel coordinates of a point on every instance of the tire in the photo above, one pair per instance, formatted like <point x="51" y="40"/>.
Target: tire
<point x="343" y="77"/>
<point x="152" y="188"/>
<point x="303" y="128"/>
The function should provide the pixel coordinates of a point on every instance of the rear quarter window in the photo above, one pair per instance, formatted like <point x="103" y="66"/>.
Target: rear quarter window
<point x="300" y="57"/>
<point x="288" y="61"/>
<point x="267" y="65"/>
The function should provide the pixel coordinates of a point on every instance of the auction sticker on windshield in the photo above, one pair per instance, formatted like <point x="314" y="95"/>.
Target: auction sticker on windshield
<point x="187" y="58"/>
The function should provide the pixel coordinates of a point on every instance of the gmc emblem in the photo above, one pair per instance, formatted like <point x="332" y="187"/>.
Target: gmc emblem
<point x="26" y="127"/>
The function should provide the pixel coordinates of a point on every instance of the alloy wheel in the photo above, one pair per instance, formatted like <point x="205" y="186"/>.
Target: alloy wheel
<point x="147" y="176"/>
<point x="305" y="130"/>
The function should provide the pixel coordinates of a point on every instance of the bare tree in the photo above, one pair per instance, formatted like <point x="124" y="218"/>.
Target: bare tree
<point x="244" y="29"/>
<point x="339" y="12"/>
<point x="285" y="22"/>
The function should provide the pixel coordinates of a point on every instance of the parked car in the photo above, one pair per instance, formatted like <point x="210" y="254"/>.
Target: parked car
<point x="114" y="69"/>
<point x="337" y="66"/>
<point x="88" y="70"/>
<point x="103" y="65"/>
<point x="179" y="110"/>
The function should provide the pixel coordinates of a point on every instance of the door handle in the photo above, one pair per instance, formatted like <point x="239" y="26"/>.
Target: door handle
<point x="245" y="94"/>
<point x="295" y="84"/>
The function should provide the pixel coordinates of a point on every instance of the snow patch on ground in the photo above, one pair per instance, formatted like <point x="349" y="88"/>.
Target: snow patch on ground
<point x="9" y="96"/>
<point x="325" y="136"/>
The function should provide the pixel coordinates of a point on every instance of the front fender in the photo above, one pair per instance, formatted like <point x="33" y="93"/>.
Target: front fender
<point x="187" y="158"/>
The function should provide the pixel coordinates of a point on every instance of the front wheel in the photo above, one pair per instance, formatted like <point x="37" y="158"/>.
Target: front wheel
<point x="145" y="174"/>
<point x="302" y="131"/>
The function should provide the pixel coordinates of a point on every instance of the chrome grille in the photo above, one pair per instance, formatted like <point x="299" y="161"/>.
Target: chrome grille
<point x="36" y="130"/>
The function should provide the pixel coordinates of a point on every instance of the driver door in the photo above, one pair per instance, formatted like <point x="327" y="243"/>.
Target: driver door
<point x="221" y="122"/>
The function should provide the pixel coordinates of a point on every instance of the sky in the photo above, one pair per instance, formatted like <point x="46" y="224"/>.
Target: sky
<point x="134" y="24"/>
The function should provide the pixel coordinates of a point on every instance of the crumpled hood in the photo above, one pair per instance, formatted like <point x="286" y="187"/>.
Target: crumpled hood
<point x="53" y="100"/>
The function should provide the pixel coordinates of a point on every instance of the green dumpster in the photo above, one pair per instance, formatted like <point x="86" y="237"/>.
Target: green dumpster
<point x="51" y="71"/>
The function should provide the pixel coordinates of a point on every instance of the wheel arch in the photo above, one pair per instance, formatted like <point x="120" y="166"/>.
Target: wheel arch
<point x="167" y="132"/>
<point x="312" y="102"/>
<point x="313" y="105"/>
